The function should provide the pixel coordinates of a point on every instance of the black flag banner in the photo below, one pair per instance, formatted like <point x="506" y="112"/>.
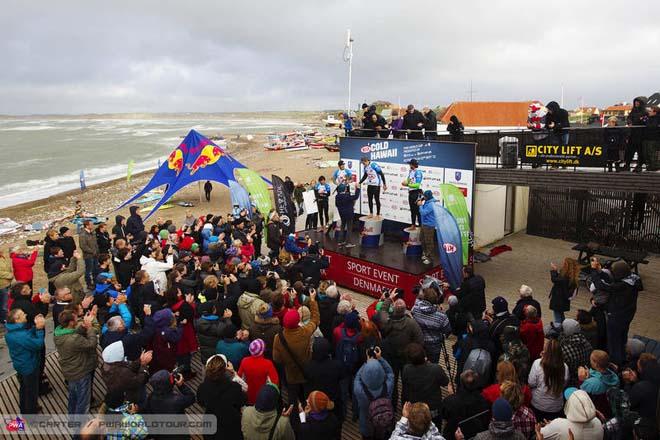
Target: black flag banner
<point x="284" y="205"/>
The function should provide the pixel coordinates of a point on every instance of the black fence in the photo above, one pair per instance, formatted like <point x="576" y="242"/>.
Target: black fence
<point x="623" y="220"/>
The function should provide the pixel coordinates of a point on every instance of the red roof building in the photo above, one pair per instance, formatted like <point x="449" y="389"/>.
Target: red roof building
<point x="489" y="114"/>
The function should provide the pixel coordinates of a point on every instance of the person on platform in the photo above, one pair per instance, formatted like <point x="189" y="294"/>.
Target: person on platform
<point x="636" y="119"/>
<point x="414" y="183"/>
<point x="374" y="176"/>
<point x="341" y="174"/>
<point x="396" y="124"/>
<point x="413" y="122"/>
<point x="322" y="191"/>
<point x="427" y="220"/>
<point x="431" y="124"/>
<point x="347" y="124"/>
<point x="557" y="121"/>
<point x="455" y="129"/>
<point x="345" y="203"/>
<point x="208" y="187"/>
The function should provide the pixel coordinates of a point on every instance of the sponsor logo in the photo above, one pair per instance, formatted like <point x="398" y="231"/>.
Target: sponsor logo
<point x="531" y="151"/>
<point x="449" y="248"/>
<point x="15" y="425"/>
<point x="379" y="150"/>
<point x="285" y="220"/>
<point x="458" y="176"/>
<point x="350" y="164"/>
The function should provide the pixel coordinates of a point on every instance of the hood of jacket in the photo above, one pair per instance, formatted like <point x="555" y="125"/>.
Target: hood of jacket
<point x="119" y="219"/>
<point x="320" y="349"/>
<point x="553" y="106"/>
<point x="599" y="383"/>
<point x="425" y="307"/>
<point x="262" y="422"/>
<point x="579" y="408"/>
<point x="501" y="429"/>
<point x="246" y="300"/>
<point x="162" y="318"/>
<point x="134" y="210"/>
<point x="15" y="326"/>
<point x="160" y="382"/>
<point x="642" y="102"/>
<point x="63" y="331"/>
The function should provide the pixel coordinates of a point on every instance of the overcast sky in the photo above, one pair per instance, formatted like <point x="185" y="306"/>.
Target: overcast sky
<point x="186" y="56"/>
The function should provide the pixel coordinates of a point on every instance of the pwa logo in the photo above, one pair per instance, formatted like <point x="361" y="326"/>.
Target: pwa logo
<point x="449" y="248"/>
<point x="15" y="425"/>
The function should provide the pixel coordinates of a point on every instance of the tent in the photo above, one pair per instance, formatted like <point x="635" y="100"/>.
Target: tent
<point x="196" y="158"/>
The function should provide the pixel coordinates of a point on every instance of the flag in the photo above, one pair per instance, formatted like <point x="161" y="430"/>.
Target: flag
<point x="83" y="186"/>
<point x="129" y="171"/>
<point x="240" y="197"/>
<point x="454" y="201"/>
<point x="449" y="243"/>
<point x="284" y="205"/>
<point x="257" y="188"/>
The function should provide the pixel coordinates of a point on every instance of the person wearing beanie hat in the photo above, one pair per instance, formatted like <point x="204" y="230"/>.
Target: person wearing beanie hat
<point x="376" y="378"/>
<point x="292" y="347"/>
<point x="259" y="420"/>
<point x="524" y="301"/>
<point x="575" y="349"/>
<point x="501" y="425"/>
<point x="501" y="318"/>
<point x="256" y="370"/>
<point x="317" y="421"/>
<point x="122" y="375"/>
<point x="580" y="419"/>
<point x="305" y="316"/>
<point x="265" y="327"/>
<point x="425" y="205"/>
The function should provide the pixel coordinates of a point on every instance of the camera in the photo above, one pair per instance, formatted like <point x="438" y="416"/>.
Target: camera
<point x="371" y="351"/>
<point x="386" y="292"/>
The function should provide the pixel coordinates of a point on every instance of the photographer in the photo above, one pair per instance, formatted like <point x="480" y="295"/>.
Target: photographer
<point x="164" y="399"/>
<point x="374" y="380"/>
<point x="310" y="265"/>
<point x="432" y="321"/>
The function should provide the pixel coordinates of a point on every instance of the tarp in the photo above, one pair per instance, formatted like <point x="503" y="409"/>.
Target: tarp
<point x="240" y="197"/>
<point x="454" y="201"/>
<point x="196" y="158"/>
<point x="449" y="243"/>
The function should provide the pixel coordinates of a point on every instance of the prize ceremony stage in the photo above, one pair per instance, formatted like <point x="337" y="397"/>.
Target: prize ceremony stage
<point x="369" y="270"/>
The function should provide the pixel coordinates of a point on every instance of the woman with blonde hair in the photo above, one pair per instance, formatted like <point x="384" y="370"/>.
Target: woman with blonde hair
<point x="523" y="418"/>
<point x="506" y="371"/>
<point x="547" y="379"/>
<point x="564" y="287"/>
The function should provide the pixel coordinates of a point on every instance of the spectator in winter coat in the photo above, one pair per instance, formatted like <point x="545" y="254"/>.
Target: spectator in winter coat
<point x="564" y="285"/>
<point x="457" y="317"/>
<point x="466" y="403"/>
<point x="506" y="371"/>
<point x="574" y="348"/>
<point x="557" y="121"/>
<point x="119" y="229"/>
<point x="66" y="242"/>
<point x="472" y="294"/>
<point x="256" y="370"/>
<point x="234" y="345"/>
<point x="292" y="348"/>
<point x="644" y="385"/>
<point x="157" y="270"/>
<point x="588" y="327"/>
<point x="455" y="129"/>
<point x="325" y="374"/>
<point x="103" y="239"/>
<point x="265" y="327"/>
<point x="90" y="250"/>
<point x="317" y="419"/>
<point x="516" y="352"/>
<point x="414" y="122"/>
<point x="345" y="203"/>
<point x="166" y="337"/>
<point x="476" y="338"/>
<point x="76" y="347"/>
<point x="165" y="400"/>
<point x="134" y="342"/>
<point x="524" y="301"/>
<point x="258" y="421"/>
<point x="374" y="378"/>
<point x="547" y="379"/>
<point x="580" y="419"/>
<point x="134" y="225"/>
<point x="598" y="379"/>
<point x="422" y="381"/>
<point x="501" y="426"/>
<point x="25" y="345"/>
<point x="415" y="423"/>
<point x="124" y="376"/>
<point x="22" y="264"/>
<point x="50" y="240"/>
<point x="274" y="241"/>
<point x="432" y="321"/>
<point x="523" y="419"/>
<point x="430" y="124"/>
<point x="499" y="320"/>
<point x="328" y="300"/>
<point x="210" y="328"/>
<point x="531" y="333"/>
<point x="222" y="397"/>
<point x="249" y="303"/>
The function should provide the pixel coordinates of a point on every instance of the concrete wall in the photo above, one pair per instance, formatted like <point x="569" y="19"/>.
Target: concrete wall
<point x="489" y="209"/>
<point x="520" y="208"/>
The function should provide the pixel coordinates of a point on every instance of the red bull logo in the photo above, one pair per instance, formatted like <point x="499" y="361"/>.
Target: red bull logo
<point x="449" y="248"/>
<point x="175" y="161"/>
<point x="209" y="155"/>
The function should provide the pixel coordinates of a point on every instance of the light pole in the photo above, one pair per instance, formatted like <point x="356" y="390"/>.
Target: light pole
<point x="348" y="57"/>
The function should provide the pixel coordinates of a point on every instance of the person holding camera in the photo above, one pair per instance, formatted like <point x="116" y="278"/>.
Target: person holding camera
<point x="165" y="399"/>
<point x="309" y="267"/>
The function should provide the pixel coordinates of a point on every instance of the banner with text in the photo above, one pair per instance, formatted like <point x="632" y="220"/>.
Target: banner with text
<point x="565" y="155"/>
<point x="440" y="162"/>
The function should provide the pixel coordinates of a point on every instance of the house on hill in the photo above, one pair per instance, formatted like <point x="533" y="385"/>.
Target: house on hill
<point x="618" y="110"/>
<point x="492" y="114"/>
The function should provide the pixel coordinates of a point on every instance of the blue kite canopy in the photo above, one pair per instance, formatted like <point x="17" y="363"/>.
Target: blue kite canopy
<point x="196" y="158"/>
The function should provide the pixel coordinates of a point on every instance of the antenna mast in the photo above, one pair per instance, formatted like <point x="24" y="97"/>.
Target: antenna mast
<point x="348" y="57"/>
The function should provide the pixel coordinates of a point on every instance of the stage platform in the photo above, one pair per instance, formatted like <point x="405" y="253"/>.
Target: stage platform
<point x="368" y="270"/>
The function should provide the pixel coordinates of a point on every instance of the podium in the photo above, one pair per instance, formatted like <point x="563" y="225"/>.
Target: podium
<point x="371" y="231"/>
<point x="412" y="246"/>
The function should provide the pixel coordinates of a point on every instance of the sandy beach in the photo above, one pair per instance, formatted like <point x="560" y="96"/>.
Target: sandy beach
<point x="103" y="199"/>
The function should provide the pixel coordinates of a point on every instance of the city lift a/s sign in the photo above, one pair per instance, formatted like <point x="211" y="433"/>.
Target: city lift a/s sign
<point x="570" y="155"/>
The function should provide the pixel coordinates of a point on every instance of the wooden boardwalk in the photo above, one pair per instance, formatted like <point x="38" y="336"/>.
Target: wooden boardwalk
<point x="56" y="401"/>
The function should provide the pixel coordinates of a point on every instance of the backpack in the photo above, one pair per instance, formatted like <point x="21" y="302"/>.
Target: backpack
<point x="381" y="412"/>
<point x="479" y="361"/>
<point x="347" y="351"/>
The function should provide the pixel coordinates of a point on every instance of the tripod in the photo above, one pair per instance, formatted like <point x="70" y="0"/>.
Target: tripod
<point x="445" y="354"/>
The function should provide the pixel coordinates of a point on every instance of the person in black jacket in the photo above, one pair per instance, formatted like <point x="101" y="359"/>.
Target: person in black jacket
<point x="103" y="238"/>
<point x="119" y="229"/>
<point x="66" y="242"/>
<point x="621" y="307"/>
<point x="564" y="286"/>
<point x="165" y="400"/>
<point x="431" y="123"/>
<point x="310" y="266"/>
<point x="614" y="143"/>
<point x="477" y="337"/>
<point x="222" y="397"/>
<point x="210" y="328"/>
<point x="499" y="320"/>
<point x="274" y="239"/>
<point x="557" y="121"/>
<point x="524" y="301"/>
<point x="642" y="386"/>
<point x="134" y="342"/>
<point x="467" y="403"/>
<point x="637" y="120"/>
<point x="328" y="299"/>
<point x="455" y="128"/>
<point x="325" y="374"/>
<point x="422" y="382"/>
<point x="317" y="421"/>
<point x="414" y="122"/>
<point x="472" y="293"/>
<point x="651" y="142"/>
<point x="134" y="225"/>
<point x="208" y="187"/>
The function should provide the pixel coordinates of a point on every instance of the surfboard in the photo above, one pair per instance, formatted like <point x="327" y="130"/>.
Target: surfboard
<point x="149" y="208"/>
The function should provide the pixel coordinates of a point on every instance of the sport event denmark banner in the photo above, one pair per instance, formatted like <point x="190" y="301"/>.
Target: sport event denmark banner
<point x="571" y="155"/>
<point x="440" y="162"/>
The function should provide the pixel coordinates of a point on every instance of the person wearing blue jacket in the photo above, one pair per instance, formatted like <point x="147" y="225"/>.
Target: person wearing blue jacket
<point x="376" y="378"/>
<point x="427" y="233"/>
<point x="414" y="183"/>
<point x="345" y="203"/>
<point x="25" y="345"/>
<point x="341" y="174"/>
<point x="322" y="191"/>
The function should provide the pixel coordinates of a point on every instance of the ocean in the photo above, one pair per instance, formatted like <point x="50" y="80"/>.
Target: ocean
<point x="43" y="157"/>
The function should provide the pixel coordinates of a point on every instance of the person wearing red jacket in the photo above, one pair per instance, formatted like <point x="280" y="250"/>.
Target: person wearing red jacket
<point x="531" y="333"/>
<point x="184" y="308"/>
<point x="256" y="370"/>
<point x="22" y="263"/>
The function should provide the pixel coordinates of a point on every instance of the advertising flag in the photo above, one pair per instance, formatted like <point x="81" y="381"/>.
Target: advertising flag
<point x="129" y="171"/>
<point x="83" y="185"/>
<point x="454" y="201"/>
<point x="257" y="188"/>
<point x="449" y="243"/>
<point x="240" y="197"/>
<point x="284" y="205"/>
